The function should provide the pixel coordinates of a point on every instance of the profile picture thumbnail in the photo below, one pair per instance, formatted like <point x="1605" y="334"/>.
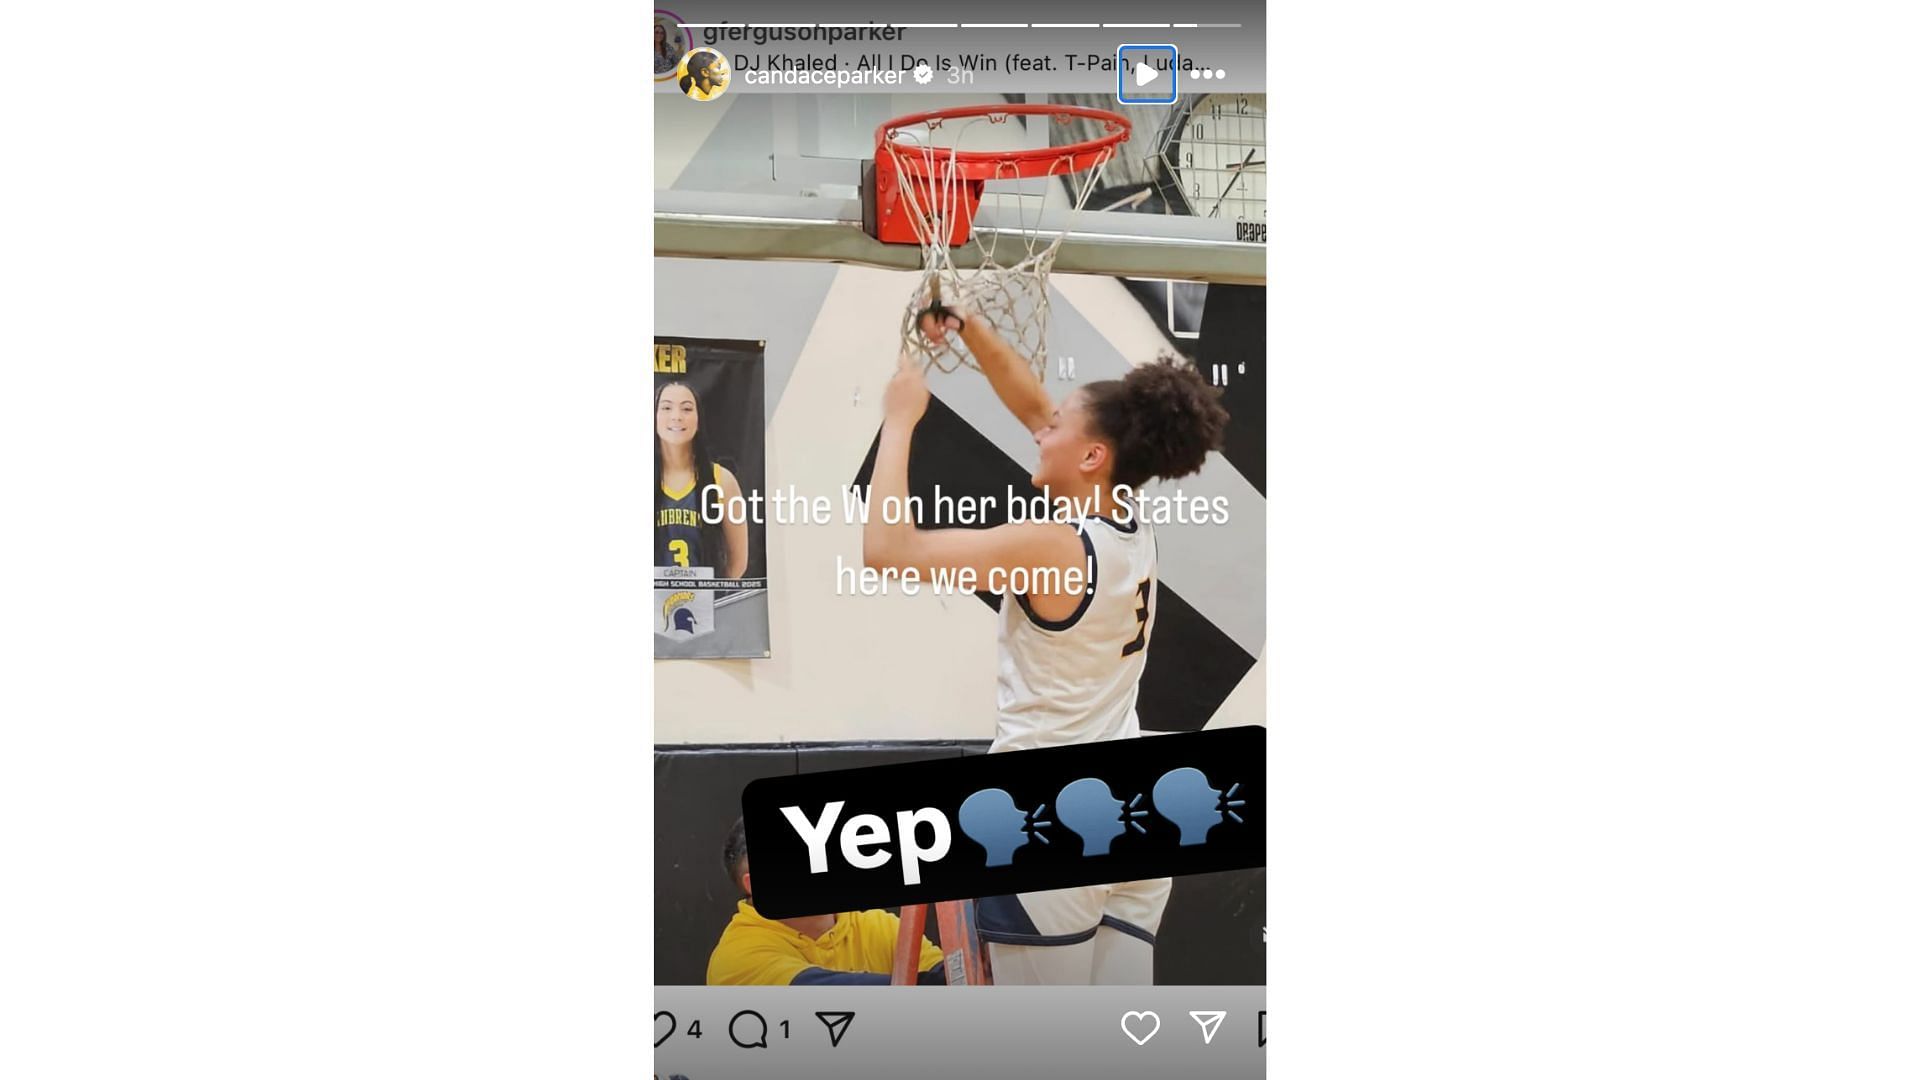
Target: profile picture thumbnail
<point x="669" y="45"/>
<point x="704" y="74"/>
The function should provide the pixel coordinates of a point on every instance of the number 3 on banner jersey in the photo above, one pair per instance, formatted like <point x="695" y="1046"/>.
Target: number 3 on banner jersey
<point x="1140" y="641"/>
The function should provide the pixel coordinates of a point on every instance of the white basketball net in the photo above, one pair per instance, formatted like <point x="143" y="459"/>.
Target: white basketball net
<point x="1008" y="287"/>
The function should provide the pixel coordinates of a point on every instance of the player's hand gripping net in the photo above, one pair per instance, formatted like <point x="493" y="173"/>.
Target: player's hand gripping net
<point x="1002" y="276"/>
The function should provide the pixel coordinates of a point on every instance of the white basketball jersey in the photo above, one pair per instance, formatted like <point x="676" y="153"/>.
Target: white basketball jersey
<point x="1076" y="680"/>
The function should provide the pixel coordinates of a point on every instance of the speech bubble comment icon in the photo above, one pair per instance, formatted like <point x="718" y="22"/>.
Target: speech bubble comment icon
<point x="748" y="1030"/>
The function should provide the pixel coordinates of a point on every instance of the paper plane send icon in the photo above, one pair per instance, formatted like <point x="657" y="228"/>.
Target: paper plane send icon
<point x="1209" y="1023"/>
<point x="837" y="1024"/>
<point x="1142" y="74"/>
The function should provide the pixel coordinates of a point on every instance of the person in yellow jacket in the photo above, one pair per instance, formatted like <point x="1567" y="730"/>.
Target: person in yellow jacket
<point x="851" y="948"/>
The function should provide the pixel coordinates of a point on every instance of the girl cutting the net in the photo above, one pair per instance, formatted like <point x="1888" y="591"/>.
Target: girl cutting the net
<point x="1069" y="663"/>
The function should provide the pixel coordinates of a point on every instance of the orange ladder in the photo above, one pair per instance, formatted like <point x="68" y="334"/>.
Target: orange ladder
<point x="966" y="958"/>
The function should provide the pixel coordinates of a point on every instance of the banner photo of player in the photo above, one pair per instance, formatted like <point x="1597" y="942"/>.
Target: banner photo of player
<point x="709" y="576"/>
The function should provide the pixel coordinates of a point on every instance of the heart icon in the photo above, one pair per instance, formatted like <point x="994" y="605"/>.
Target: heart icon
<point x="1127" y="1024"/>
<point x="672" y="1024"/>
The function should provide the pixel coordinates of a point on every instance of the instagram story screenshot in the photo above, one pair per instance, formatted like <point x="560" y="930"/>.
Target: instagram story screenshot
<point x="959" y="540"/>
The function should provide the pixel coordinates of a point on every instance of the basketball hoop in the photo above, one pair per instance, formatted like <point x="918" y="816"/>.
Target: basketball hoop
<point x="927" y="193"/>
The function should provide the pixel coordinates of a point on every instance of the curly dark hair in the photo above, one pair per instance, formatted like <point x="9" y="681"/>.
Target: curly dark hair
<point x="735" y="852"/>
<point x="1161" y="419"/>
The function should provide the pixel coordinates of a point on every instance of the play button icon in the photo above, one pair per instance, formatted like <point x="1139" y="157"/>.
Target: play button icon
<point x="1141" y="68"/>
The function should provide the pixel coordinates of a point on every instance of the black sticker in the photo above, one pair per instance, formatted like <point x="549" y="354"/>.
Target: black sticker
<point x="994" y="824"/>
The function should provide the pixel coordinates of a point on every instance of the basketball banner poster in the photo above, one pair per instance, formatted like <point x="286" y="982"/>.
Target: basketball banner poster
<point x="709" y="424"/>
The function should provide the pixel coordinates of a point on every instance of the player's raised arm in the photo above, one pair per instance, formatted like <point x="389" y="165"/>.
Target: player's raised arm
<point x="901" y="544"/>
<point x="1012" y="377"/>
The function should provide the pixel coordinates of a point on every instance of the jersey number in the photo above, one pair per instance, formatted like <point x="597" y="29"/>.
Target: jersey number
<point x="1140" y="641"/>
<point x="679" y="549"/>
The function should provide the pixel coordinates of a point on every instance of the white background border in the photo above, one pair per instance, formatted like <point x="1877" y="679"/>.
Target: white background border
<point x="325" y="748"/>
